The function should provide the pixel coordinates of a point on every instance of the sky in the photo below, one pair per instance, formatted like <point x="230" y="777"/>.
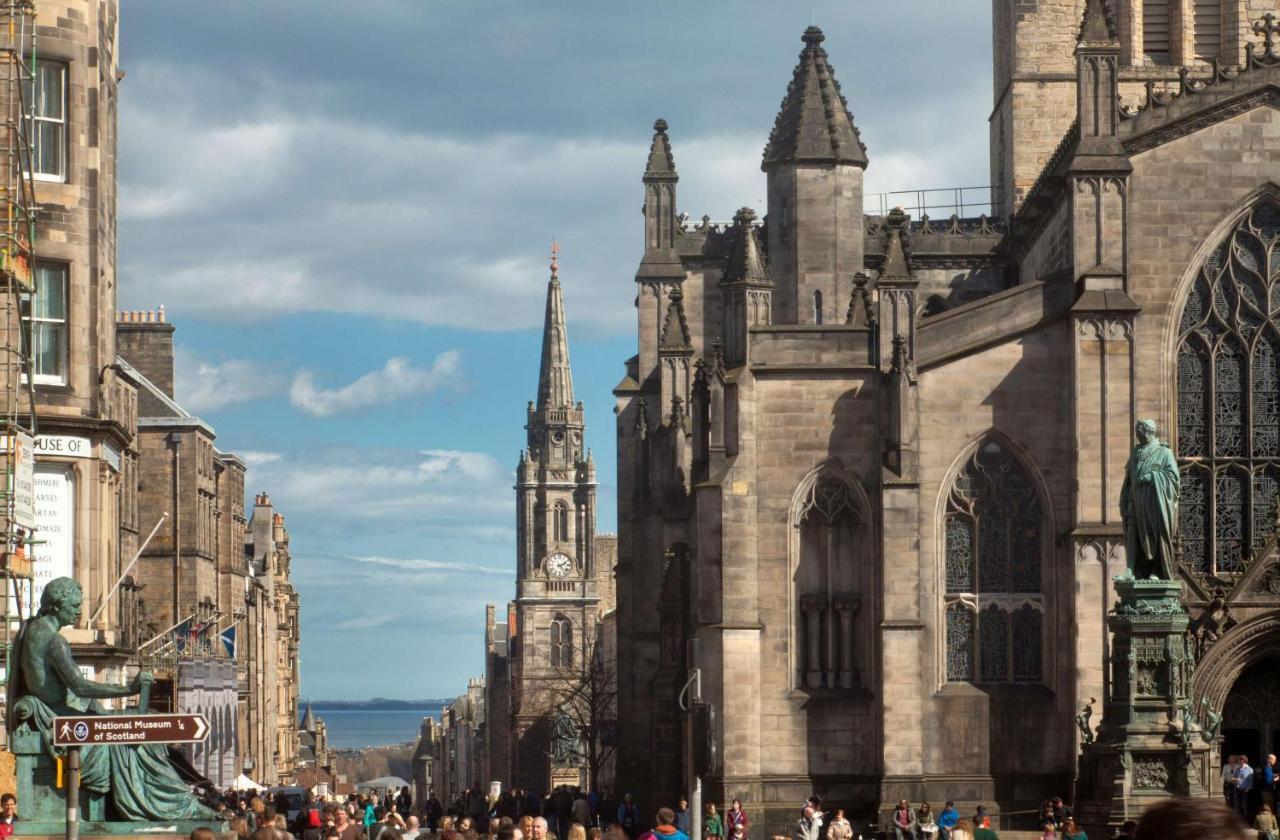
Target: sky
<point x="346" y="210"/>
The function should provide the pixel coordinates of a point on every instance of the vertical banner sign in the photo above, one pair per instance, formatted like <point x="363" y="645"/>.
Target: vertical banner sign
<point x="52" y="556"/>
<point x="22" y="481"/>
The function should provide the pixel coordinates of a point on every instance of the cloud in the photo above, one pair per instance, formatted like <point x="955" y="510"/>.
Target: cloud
<point x="365" y="622"/>
<point x="398" y="379"/>
<point x="421" y="565"/>
<point x="203" y="385"/>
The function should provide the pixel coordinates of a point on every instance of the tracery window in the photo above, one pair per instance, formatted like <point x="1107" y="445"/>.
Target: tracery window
<point x="561" y="643"/>
<point x="1228" y="431"/>
<point x="827" y="582"/>
<point x="993" y="536"/>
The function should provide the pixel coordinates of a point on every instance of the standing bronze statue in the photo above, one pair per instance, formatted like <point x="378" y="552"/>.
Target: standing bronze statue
<point x="1149" y="505"/>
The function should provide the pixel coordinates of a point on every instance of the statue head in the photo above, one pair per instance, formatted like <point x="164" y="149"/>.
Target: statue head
<point x="62" y="598"/>
<point x="1146" y="430"/>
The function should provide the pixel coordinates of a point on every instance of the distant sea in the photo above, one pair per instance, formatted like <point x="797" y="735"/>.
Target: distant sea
<point x="355" y="728"/>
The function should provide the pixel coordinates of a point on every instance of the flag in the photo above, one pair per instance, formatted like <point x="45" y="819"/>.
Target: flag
<point x="181" y="635"/>
<point x="228" y="638"/>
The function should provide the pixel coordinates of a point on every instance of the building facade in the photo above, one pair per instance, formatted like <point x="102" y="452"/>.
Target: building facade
<point x="872" y="463"/>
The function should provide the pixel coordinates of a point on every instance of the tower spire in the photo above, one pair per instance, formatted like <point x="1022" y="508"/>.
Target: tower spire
<point x="555" y="380"/>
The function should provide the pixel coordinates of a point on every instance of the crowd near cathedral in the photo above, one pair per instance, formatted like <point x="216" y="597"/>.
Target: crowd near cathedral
<point x="871" y="467"/>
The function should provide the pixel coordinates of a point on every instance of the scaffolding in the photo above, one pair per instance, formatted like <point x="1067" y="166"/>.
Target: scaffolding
<point x="17" y="287"/>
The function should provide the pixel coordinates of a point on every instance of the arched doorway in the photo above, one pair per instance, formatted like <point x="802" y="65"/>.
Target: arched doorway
<point x="1251" y="714"/>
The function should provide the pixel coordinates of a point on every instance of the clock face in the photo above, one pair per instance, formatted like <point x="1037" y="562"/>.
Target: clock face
<point x="559" y="565"/>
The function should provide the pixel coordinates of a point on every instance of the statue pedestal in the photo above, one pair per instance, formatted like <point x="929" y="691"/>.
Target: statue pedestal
<point x="1144" y="751"/>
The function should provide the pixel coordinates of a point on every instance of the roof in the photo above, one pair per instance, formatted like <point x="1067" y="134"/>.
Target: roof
<point x="746" y="265"/>
<point x="813" y="123"/>
<point x="152" y="397"/>
<point x="555" y="378"/>
<point x="1096" y="26"/>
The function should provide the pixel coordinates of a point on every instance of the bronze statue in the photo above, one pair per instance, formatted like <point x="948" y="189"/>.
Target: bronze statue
<point x="141" y="781"/>
<point x="1082" y="721"/>
<point x="1149" y="506"/>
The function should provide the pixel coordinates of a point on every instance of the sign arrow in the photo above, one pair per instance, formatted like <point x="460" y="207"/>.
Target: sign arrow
<point x="202" y="727"/>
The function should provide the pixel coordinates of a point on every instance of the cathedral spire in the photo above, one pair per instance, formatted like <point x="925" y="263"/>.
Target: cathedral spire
<point x="555" y="380"/>
<point x="813" y="123"/>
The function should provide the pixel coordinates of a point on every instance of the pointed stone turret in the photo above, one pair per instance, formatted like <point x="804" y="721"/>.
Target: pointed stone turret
<point x="896" y="290"/>
<point x="1097" y="26"/>
<point x="555" y="380"/>
<point x="815" y="163"/>
<point x="309" y="720"/>
<point x="746" y="288"/>
<point x="814" y="124"/>
<point x="660" y="260"/>
<point x="746" y="265"/>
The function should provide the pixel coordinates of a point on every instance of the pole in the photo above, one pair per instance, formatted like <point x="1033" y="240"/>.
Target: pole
<point x="695" y="698"/>
<point x="106" y="598"/>
<point x="73" y="793"/>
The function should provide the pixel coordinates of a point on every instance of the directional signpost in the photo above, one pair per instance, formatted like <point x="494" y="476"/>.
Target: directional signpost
<point x="92" y="730"/>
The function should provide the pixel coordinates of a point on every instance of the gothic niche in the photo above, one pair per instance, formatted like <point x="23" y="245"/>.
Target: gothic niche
<point x="1228" y="435"/>
<point x="993" y="536"/>
<point x="831" y="526"/>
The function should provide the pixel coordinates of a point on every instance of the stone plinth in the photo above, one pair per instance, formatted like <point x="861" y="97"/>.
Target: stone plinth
<point x="1148" y="747"/>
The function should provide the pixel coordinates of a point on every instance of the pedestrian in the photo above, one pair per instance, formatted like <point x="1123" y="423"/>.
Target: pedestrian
<point x="980" y="818"/>
<point x="684" y="820"/>
<point x="1072" y="831"/>
<point x="984" y="831"/>
<point x="712" y="825"/>
<point x="1061" y="812"/>
<point x="665" y="828"/>
<point x="577" y="831"/>
<point x="1184" y="818"/>
<point x="1047" y="831"/>
<point x="8" y="814"/>
<point x="735" y="817"/>
<point x="1268" y="783"/>
<point x="1229" y="781"/>
<point x="627" y="816"/>
<point x="904" y="821"/>
<point x="411" y="829"/>
<point x="838" y="827"/>
<point x="1265" y="823"/>
<point x="926" y="825"/>
<point x="1244" y="784"/>
<point x="526" y="826"/>
<point x="539" y="830"/>
<point x="581" y="810"/>
<point x="510" y="832"/>
<point x="370" y="814"/>
<point x="311" y="824"/>
<point x="947" y="819"/>
<point x="962" y="830"/>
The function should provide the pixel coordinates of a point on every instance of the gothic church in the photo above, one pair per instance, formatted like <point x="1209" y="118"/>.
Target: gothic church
<point x="873" y="463"/>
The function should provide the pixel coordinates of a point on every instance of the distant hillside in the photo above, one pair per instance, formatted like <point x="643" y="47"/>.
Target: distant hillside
<point x="377" y="704"/>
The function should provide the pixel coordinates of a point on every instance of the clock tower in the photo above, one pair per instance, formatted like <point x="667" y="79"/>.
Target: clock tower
<point x="558" y="604"/>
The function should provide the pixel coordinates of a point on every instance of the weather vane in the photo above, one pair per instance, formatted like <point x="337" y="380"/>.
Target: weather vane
<point x="555" y="253"/>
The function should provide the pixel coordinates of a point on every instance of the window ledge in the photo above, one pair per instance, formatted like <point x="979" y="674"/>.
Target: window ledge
<point x="857" y="692"/>
<point x="1025" y="690"/>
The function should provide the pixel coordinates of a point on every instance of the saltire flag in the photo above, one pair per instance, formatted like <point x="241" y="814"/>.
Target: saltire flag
<point x="181" y="635"/>
<point x="228" y="638"/>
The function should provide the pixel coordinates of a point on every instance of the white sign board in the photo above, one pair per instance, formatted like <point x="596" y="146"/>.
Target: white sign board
<point x="23" y="480"/>
<point x="53" y="554"/>
<point x="68" y="446"/>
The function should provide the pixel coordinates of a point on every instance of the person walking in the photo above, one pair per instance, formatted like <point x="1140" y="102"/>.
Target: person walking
<point x="1268" y="783"/>
<point x="684" y="820"/>
<point x="628" y="816"/>
<point x="1244" y="784"/>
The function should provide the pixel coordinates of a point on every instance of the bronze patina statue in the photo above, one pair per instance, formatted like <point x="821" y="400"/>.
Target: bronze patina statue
<point x="142" y="782"/>
<point x="1149" y="506"/>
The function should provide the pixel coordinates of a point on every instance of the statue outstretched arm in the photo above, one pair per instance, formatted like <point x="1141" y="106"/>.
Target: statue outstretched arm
<point x="76" y="682"/>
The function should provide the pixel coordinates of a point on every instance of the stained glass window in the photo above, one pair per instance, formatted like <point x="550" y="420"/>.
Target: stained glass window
<point x="1228" y="392"/>
<point x="959" y="643"/>
<point x="994" y="539"/>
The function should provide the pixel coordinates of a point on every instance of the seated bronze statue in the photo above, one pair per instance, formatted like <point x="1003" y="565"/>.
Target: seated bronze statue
<point x="140" y="782"/>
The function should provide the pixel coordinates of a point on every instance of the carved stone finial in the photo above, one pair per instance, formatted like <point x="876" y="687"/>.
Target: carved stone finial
<point x="744" y="216"/>
<point x="1268" y="28"/>
<point x="813" y="36"/>
<point x="555" y="255"/>
<point x="660" y="125"/>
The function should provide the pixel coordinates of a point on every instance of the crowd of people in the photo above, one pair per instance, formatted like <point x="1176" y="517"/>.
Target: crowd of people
<point x="1252" y="793"/>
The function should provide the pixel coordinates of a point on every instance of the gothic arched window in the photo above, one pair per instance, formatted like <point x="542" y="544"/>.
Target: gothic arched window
<point x="1228" y="434"/>
<point x="993" y="535"/>
<point x="561" y="643"/>
<point x="817" y="306"/>
<point x="827" y="583"/>
<point x="560" y="522"/>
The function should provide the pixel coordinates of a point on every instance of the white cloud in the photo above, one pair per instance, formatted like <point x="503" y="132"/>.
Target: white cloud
<point x="422" y="565"/>
<point x="398" y="379"/>
<point x="204" y="385"/>
<point x="365" y="622"/>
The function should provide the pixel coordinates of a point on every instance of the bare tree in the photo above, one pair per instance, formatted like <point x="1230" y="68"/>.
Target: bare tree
<point x="584" y="690"/>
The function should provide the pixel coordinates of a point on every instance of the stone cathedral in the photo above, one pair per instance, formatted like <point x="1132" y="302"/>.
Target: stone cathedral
<point x="872" y="463"/>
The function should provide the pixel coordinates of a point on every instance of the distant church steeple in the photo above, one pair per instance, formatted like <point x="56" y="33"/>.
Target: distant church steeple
<point x="555" y="379"/>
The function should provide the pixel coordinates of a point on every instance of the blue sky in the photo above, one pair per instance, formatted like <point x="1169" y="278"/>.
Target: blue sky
<point x="346" y="210"/>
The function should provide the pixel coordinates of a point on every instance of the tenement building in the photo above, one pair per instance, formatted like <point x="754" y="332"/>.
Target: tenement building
<point x="549" y="687"/>
<point x="872" y="463"/>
